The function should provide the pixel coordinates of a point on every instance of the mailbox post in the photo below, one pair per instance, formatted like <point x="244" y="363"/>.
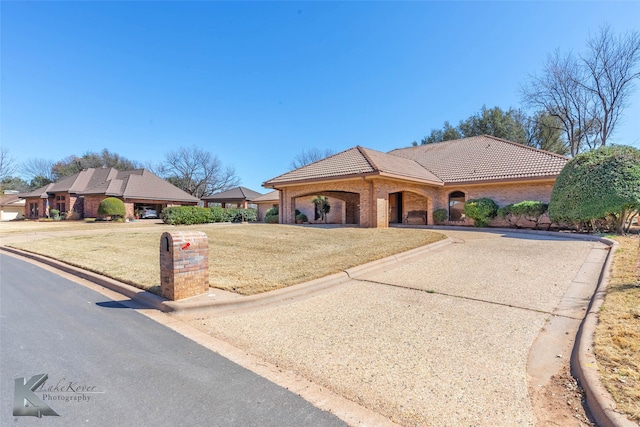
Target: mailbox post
<point x="184" y="264"/>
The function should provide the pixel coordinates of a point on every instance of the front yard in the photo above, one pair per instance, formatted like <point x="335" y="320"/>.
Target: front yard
<point x="247" y="258"/>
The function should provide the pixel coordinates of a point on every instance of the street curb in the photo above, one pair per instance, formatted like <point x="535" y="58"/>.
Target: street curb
<point x="140" y="296"/>
<point x="305" y="289"/>
<point x="584" y="366"/>
<point x="279" y="295"/>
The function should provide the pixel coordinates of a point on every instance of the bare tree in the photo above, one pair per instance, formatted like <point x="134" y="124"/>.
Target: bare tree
<point x="7" y="163"/>
<point x="610" y="65"/>
<point x="310" y="155"/>
<point x="198" y="172"/>
<point x="588" y="93"/>
<point x="559" y="92"/>
<point x="38" y="167"/>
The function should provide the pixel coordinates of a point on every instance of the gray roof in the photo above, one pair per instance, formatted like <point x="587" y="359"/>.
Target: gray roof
<point x="270" y="197"/>
<point x="132" y="184"/>
<point x="237" y="193"/>
<point x="480" y="158"/>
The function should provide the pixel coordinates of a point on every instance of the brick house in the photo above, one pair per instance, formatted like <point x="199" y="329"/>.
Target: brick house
<point x="375" y="189"/>
<point x="80" y="195"/>
<point x="238" y="197"/>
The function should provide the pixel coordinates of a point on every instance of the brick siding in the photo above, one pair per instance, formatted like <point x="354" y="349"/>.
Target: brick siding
<point x="184" y="264"/>
<point x="368" y="199"/>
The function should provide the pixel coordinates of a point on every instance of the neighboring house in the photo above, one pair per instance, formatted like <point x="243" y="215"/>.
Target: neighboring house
<point x="266" y="202"/>
<point x="11" y="207"/>
<point x="80" y="195"/>
<point x="239" y="197"/>
<point x="406" y="185"/>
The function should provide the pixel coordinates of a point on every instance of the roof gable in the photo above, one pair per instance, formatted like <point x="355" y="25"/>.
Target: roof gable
<point x="237" y="193"/>
<point x="358" y="161"/>
<point x="349" y="162"/>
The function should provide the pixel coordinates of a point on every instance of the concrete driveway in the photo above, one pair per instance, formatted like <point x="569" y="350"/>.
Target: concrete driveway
<point x="453" y="337"/>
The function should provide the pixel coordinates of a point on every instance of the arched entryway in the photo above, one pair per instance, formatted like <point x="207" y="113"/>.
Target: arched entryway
<point x="344" y="207"/>
<point x="407" y="207"/>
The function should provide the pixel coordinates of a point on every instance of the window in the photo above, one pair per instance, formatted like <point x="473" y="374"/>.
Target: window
<point x="456" y="206"/>
<point x="33" y="210"/>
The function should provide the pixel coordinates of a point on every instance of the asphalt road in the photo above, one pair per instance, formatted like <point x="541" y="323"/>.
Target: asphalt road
<point x="108" y="365"/>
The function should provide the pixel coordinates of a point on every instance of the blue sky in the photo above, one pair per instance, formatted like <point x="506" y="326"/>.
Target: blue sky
<point x="258" y="82"/>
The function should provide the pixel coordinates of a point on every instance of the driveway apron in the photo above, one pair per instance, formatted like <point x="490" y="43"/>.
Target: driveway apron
<point x="441" y="339"/>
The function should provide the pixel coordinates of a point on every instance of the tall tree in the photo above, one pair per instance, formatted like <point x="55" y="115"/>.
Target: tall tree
<point x="447" y="133"/>
<point x="14" y="183"/>
<point x="559" y="93"/>
<point x="198" y="172"/>
<point x="310" y="155"/>
<point x="8" y="164"/>
<point x="73" y="164"/>
<point x="38" y="167"/>
<point x="496" y="122"/>
<point x="545" y="133"/>
<point x="588" y="93"/>
<point x="611" y="67"/>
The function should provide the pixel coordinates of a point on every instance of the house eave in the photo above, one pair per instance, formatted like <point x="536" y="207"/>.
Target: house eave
<point x="516" y="180"/>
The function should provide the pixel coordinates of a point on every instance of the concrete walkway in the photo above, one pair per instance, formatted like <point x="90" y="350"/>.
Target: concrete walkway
<point x="452" y="335"/>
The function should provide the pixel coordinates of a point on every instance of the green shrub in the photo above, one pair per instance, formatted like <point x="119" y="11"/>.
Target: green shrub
<point x="601" y="186"/>
<point x="55" y="214"/>
<point x="187" y="215"/>
<point x="440" y="216"/>
<point x="301" y="218"/>
<point x="527" y="208"/>
<point x="482" y="211"/>
<point x="271" y="215"/>
<point x="531" y="210"/>
<point x="272" y="211"/>
<point x="112" y="207"/>
<point x="271" y="219"/>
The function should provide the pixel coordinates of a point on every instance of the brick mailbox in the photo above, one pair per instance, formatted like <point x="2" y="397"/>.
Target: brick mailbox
<point x="184" y="264"/>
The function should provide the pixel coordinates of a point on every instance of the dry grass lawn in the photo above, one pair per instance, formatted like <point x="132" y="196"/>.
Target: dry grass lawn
<point x="247" y="258"/>
<point x="27" y="226"/>
<point x="617" y="338"/>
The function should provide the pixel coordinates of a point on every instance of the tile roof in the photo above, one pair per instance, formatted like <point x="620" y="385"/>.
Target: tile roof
<point x="237" y="193"/>
<point x="483" y="158"/>
<point x="357" y="161"/>
<point x="132" y="184"/>
<point x="480" y="158"/>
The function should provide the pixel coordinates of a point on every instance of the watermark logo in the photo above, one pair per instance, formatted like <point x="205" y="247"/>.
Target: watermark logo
<point x="32" y="398"/>
<point x="25" y="401"/>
